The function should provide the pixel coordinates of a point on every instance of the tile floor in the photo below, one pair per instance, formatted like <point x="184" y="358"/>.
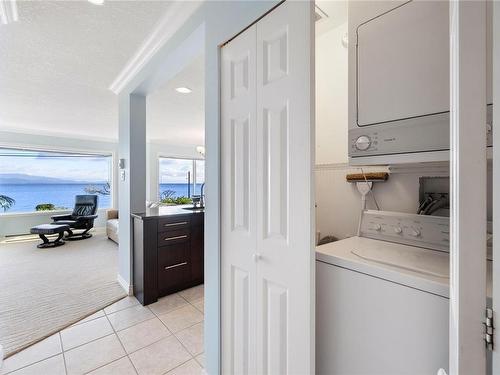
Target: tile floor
<point x="125" y="338"/>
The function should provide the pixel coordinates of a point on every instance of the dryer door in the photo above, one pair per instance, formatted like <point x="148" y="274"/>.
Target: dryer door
<point x="403" y="63"/>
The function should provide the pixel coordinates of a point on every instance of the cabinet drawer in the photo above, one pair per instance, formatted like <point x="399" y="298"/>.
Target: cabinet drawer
<point x="172" y="255"/>
<point x="173" y="237"/>
<point x="173" y="279"/>
<point x="173" y="223"/>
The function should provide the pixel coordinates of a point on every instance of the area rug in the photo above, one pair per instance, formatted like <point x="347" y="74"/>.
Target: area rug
<point x="45" y="290"/>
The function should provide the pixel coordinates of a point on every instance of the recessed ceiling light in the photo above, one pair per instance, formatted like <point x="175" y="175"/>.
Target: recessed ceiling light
<point x="96" y="2"/>
<point x="183" y="90"/>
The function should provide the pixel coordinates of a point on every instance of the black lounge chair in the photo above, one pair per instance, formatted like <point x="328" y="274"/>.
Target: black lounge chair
<point x="82" y="218"/>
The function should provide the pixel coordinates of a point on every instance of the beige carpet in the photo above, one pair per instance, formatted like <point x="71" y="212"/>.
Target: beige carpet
<point x="45" y="290"/>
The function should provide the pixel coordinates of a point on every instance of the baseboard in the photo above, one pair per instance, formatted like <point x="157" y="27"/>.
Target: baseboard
<point x="126" y="286"/>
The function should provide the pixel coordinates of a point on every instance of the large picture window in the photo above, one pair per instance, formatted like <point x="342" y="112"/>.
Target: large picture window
<point x="180" y="179"/>
<point x="32" y="180"/>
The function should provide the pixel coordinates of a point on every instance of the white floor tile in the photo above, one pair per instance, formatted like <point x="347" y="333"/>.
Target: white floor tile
<point x="194" y="293"/>
<point x="129" y="317"/>
<point x="122" y="366"/>
<point x="182" y="318"/>
<point x="37" y="352"/>
<point x="95" y="354"/>
<point x="122" y="304"/>
<point x="199" y="304"/>
<point x="52" y="366"/>
<point x="201" y="359"/>
<point x="83" y="333"/>
<point x="192" y="338"/>
<point x="143" y="334"/>
<point x="189" y="368"/>
<point x="160" y="357"/>
<point x="96" y="315"/>
<point x="167" y="304"/>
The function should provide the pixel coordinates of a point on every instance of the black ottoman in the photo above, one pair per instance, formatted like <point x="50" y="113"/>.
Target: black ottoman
<point x="44" y="229"/>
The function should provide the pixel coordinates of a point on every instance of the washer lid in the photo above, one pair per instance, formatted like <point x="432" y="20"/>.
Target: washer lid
<point x="427" y="270"/>
<point x="415" y="260"/>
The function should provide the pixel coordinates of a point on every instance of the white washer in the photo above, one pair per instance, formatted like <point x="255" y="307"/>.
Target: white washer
<point x="382" y="298"/>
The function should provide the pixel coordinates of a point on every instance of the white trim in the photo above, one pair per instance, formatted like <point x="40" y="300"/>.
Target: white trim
<point x="467" y="179"/>
<point x="176" y="15"/>
<point x="8" y="11"/>
<point x="9" y="128"/>
<point x="128" y="288"/>
<point x="496" y="176"/>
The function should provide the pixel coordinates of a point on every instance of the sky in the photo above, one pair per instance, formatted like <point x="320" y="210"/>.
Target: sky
<point x="87" y="168"/>
<point x="174" y="171"/>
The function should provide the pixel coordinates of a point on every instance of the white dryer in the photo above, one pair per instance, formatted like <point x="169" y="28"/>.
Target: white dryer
<point x="382" y="298"/>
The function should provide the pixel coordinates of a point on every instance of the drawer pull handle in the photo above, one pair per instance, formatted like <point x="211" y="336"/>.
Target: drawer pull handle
<point x="175" y="238"/>
<point x="176" y="265"/>
<point x="175" y="224"/>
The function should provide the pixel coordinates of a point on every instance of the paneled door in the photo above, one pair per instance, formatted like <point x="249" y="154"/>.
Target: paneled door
<point x="267" y="195"/>
<point x="238" y="197"/>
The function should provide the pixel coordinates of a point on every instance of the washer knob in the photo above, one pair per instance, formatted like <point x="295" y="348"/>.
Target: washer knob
<point x="377" y="227"/>
<point x="363" y="143"/>
<point x="398" y="230"/>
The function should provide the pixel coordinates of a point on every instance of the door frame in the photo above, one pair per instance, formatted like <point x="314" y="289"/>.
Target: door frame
<point x="467" y="163"/>
<point x="496" y="175"/>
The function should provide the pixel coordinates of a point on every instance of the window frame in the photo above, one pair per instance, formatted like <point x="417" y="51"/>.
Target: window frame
<point x="158" y="174"/>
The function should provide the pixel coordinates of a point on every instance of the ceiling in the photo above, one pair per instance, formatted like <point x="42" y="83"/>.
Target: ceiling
<point x="61" y="56"/>
<point x="179" y="118"/>
<point x="59" y="59"/>
<point x="336" y="15"/>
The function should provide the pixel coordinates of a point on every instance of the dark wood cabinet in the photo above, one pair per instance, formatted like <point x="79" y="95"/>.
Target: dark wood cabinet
<point x="168" y="254"/>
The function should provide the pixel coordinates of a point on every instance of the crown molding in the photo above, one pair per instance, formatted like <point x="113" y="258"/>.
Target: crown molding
<point x="175" y="16"/>
<point x="8" y="11"/>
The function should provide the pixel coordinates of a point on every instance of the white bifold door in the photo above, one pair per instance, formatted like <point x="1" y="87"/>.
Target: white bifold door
<point x="267" y="246"/>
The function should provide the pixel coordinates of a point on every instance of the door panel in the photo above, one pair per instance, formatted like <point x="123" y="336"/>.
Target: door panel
<point x="267" y="241"/>
<point x="285" y="270"/>
<point x="238" y="219"/>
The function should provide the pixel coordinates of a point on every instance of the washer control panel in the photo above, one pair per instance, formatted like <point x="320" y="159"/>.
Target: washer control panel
<point x="426" y="231"/>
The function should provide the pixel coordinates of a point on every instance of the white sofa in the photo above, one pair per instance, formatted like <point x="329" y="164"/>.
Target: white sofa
<point x="112" y="225"/>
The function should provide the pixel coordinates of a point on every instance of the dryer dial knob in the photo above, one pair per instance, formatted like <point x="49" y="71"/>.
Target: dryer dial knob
<point x="363" y="143"/>
<point x="398" y="230"/>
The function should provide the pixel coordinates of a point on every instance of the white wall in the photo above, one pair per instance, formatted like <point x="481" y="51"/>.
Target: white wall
<point x="331" y="97"/>
<point x="338" y="202"/>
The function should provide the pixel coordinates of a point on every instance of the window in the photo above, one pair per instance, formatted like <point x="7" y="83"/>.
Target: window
<point x="180" y="178"/>
<point x="32" y="180"/>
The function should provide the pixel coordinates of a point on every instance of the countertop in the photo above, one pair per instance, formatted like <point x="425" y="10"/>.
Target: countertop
<point x="163" y="211"/>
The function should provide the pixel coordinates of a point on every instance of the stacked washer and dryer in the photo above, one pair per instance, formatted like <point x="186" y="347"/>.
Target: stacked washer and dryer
<point x="382" y="300"/>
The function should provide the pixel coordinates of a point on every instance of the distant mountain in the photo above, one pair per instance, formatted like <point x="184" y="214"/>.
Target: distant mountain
<point x="19" y="178"/>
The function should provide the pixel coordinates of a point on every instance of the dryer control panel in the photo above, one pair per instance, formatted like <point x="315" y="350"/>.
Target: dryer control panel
<point x="432" y="232"/>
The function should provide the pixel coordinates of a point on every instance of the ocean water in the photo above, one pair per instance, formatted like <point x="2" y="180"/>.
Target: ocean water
<point x="27" y="196"/>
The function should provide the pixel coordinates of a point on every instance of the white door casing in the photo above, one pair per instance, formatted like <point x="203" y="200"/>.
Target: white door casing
<point x="267" y="155"/>
<point x="467" y="179"/>
<point x="496" y="179"/>
<point x="238" y="197"/>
